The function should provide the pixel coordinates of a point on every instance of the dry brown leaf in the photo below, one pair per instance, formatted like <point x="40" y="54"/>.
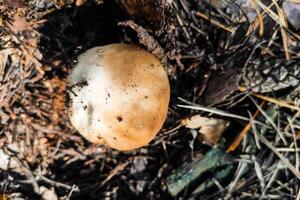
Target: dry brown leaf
<point x="220" y="86"/>
<point x="211" y="129"/>
<point x="195" y="122"/>
<point x="211" y="133"/>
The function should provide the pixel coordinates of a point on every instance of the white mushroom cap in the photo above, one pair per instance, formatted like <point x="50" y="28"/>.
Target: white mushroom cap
<point x="120" y="96"/>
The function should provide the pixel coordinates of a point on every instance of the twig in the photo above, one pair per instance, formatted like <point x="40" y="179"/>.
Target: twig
<point x="56" y="184"/>
<point x="216" y="158"/>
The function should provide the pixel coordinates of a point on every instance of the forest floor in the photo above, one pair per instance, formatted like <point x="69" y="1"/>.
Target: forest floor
<point x="233" y="125"/>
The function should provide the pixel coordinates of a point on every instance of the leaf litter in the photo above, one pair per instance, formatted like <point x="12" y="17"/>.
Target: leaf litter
<point x="227" y="60"/>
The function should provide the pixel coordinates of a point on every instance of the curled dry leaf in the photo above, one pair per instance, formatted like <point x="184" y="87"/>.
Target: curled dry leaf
<point x="211" y="129"/>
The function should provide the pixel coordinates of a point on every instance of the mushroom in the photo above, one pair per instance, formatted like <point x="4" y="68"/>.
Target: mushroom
<point x="119" y="96"/>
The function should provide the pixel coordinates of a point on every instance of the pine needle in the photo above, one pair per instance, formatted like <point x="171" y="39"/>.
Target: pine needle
<point x="246" y="129"/>
<point x="281" y="103"/>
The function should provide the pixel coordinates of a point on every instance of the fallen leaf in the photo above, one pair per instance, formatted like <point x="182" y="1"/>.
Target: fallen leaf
<point x="211" y="133"/>
<point x="210" y="129"/>
<point x="195" y="122"/>
<point x="220" y="86"/>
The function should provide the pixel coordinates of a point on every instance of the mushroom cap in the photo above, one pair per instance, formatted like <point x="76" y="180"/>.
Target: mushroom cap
<point x="119" y="97"/>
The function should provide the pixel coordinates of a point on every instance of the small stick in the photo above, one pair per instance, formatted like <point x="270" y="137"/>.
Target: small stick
<point x="216" y="158"/>
<point x="57" y="184"/>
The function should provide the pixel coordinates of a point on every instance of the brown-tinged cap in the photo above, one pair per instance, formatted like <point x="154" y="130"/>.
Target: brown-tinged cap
<point x="120" y="96"/>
